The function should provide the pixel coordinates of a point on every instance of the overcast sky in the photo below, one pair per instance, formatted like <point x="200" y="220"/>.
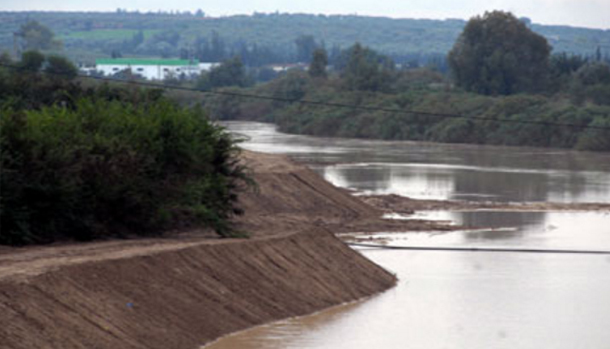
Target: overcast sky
<point x="582" y="13"/>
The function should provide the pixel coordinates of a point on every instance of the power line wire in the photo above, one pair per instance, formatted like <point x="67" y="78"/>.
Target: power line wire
<point x="315" y="103"/>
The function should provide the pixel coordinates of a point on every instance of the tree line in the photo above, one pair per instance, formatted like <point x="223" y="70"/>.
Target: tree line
<point x="500" y="71"/>
<point x="94" y="35"/>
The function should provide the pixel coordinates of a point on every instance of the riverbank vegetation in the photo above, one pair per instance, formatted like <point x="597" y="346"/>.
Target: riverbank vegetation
<point x="82" y="163"/>
<point x="505" y="88"/>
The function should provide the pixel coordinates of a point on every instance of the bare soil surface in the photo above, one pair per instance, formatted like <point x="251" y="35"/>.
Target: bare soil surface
<point x="292" y="196"/>
<point x="183" y="297"/>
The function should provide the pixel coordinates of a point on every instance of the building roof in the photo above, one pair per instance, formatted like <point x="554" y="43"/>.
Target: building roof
<point x="138" y="61"/>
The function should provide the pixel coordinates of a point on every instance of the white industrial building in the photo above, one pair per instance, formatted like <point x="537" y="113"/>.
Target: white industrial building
<point x="152" y="69"/>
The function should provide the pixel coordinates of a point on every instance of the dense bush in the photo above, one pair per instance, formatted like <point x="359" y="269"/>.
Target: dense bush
<point x="87" y="163"/>
<point x="105" y="168"/>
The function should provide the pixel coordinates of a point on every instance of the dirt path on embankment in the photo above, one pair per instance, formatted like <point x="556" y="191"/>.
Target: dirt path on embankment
<point x="187" y="289"/>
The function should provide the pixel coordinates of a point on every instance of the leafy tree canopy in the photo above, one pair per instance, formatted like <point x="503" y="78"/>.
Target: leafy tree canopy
<point x="319" y="61"/>
<point x="230" y="73"/>
<point x="366" y="70"/>
<point x="594" y="73"/>
<point x="36" y="36"/>
<point x="32" y="60"/>
<point x="306" y="45"/>
<point x="61" y="66"/>
<point x="497" y="54"/>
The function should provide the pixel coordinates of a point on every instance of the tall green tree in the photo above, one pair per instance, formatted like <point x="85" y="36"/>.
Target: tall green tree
<point x="366" y="70"/>
<point x="593" y="74"/>
<point x="35" y="36"/>
<point x="306" y="45"/>
<point x="230" y="73"/>
<point x="217" y="48"/>
<point x="60" y="67"/>
<point x="497" y="54"/>
<point x="32" y="61"/>
<point x="319" y="61"/>
<point x="591" y="83"/>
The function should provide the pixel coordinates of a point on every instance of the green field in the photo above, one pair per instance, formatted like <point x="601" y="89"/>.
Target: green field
<point x="107" y="34"/>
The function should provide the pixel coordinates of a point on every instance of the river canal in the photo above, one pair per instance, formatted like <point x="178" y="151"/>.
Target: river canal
<point x="457" y="299"/>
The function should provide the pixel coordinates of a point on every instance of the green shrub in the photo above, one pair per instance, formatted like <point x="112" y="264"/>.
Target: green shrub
<point x="104" y="168"/>
<point x="596" y="138"/>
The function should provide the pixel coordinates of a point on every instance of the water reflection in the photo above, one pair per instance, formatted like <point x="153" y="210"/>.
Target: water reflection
<point x="474" y="184"/>
<point x="463" y="300"/>
<point x="444" y="171"/>
<point x="375" y="179"/>
<point x="526" y="221"/>
<point x="559" y="230"/>
<point x="454" y="172"/>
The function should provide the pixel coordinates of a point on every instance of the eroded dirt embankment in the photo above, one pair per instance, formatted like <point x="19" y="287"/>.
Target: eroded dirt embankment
<point x="183" y="291"/>
<point x="293" y="196"/>
<point x="183" y="298"/>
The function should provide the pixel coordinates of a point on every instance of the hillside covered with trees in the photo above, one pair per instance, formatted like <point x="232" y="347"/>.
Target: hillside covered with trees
<point x="261" y="39"/>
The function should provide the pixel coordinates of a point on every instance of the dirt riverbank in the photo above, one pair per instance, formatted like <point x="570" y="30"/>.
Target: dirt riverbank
<point x="187" y="289"/>
<point x="292" y="196"/>
<point x="181" y="295"/>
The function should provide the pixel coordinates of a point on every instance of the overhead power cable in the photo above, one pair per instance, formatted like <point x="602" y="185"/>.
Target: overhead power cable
<point x="317" y="103"/>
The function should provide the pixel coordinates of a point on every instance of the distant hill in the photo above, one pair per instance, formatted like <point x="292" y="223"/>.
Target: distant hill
<point x="90" y="35"/>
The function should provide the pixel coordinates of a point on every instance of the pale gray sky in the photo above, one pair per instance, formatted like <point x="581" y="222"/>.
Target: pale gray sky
<point x="582" y="13"/>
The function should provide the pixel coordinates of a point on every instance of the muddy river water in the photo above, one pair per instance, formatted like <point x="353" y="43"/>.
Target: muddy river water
<point x="458" y="299"/>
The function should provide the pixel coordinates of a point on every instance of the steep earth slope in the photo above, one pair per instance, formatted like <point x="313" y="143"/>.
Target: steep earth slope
<point x="187" y="289"/>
